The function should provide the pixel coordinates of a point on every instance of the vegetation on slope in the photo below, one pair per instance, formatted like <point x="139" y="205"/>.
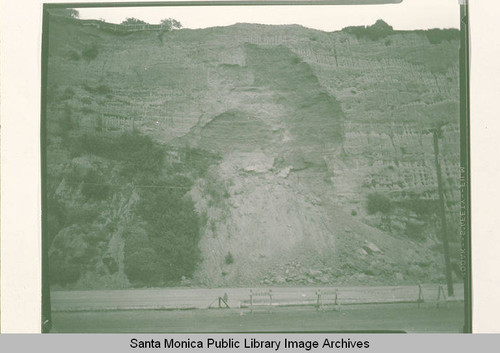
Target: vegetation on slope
<point x="380" y="30"/>
<point x="117" y="187"/>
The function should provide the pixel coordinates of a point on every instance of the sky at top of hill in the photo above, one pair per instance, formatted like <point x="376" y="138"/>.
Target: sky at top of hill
<point x="408" y="15"/>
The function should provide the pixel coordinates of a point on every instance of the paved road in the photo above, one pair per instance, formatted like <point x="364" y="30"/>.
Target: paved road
<point x="178" y="298"/>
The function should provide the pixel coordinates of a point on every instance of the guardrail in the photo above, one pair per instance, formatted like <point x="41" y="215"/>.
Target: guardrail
<point x="337" y="297"/>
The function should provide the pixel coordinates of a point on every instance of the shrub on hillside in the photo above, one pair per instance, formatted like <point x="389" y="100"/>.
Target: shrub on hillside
<point x="378" y="30"/>
<point x="68" y="255"/>
<point x="296" y="60"/>
<point x="90" y="52"/>
<point x="437" y="36"/>
<point x="133" y="21"/>
<point x="378" y="202"/>
<point x="141" y="266"/>
<point x="229" y="259"/>
<point x="103" y="89"/>
<point x="422" y="207"/>
<point x="415" y="230"/>
<point x="63" y="272"/>
<point x="86" y="110"/>
<point x="141" y="262"/>
<point x="74" y="55"/>
<point x="139" y="153"/>
<point x="88" y="88"/>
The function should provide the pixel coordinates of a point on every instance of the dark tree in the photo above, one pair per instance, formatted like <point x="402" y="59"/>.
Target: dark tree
<point x="167" y="25"/>
<point x="133" y="21"/>
<point x="170" y="24"/>
<point x="379" y="30"/>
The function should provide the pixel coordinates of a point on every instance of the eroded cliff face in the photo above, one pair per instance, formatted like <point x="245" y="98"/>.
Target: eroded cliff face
<point x="306" y="125"/>
<point x="284" y="173"/>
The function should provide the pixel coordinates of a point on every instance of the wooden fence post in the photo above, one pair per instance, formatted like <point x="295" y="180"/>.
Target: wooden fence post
<point x="440" y="290"/>
<point x="337" y="302"/>
<point x="270" y="299"/>
<point x="251" y="301"/>
<point x="420" y="295"/>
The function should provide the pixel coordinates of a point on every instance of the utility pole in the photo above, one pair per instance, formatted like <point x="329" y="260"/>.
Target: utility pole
<point x="436" y="133"/>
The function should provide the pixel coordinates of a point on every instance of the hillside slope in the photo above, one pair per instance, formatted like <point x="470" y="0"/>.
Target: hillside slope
<point x="273" y="137"/>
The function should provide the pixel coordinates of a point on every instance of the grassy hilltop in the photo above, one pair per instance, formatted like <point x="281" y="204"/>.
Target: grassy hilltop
<point x="248" y="154"/>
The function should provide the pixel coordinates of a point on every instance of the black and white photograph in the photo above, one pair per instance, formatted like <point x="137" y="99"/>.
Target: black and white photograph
<point x="254" y="167"/>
